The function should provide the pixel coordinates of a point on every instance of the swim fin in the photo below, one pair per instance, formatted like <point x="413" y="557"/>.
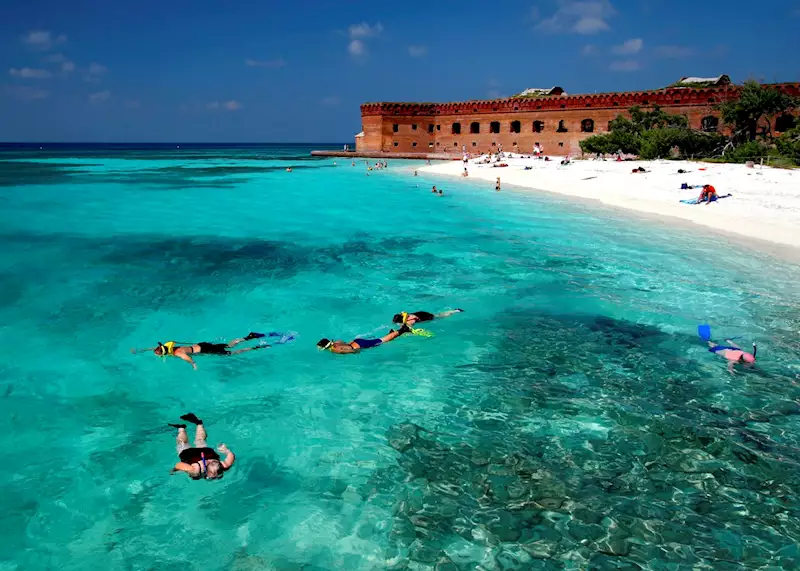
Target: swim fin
<point x="250" y="336"/>
<point x="704" y="331"/>
<point x="177" y="425"/>
<point x="191" y="417"/>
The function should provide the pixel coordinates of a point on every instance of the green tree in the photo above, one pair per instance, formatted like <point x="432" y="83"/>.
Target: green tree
<point x="788" y="144"/>
<point x="755" y="106"/>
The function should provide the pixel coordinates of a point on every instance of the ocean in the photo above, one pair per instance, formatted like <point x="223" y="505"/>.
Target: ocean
<point x="569" y="418"/>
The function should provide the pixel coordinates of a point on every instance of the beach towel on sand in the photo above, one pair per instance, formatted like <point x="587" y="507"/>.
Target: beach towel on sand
<point x="714" y="199"/>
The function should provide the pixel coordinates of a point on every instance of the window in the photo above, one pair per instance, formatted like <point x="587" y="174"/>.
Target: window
<point x="414" y="144"/>
<point x="455" y="143"/>
<point x="395" y="127"/>
<point x="474" y="109"/>
<point x="474" y="144"/>
<point x="676" y="100"/>
<point x="430" y="128"/>
<point x="563" y="106"/>
<point x="494" y="109"/>
<point x="430" y="145"/>
<point x="437" y="143"/>
<point x="475" y="127"/>
<point x="494" y="127"/>
<point x="538" y="126"/>
<point x="709" y="124"/>
<point x="516" y="108"/>
<point x="395" y="143"/>
<point x="561" y="127"/>
<point x="784" y="123"/>
<point x="560" y="144"/>
<point x="587" y="126"/>
<point x="456" y="128"/>
<point x="494" y="144"/>
<point x="438" y="127"/>
<point x="414" y="127"/>
<point x="516" y="127"/>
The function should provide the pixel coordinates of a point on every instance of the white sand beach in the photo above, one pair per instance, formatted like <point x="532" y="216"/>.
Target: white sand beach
<point x="765" y="202"/>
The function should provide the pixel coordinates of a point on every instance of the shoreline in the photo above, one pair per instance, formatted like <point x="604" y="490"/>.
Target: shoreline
<point x="764" y="207"/>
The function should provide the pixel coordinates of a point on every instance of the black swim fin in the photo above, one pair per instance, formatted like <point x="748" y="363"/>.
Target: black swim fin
<point x="177" y="425"/>
<point x="250" y="336"/>
<point x="191" y="417"/>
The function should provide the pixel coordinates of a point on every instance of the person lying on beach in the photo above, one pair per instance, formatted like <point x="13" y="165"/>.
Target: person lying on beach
<point x="707" y="195"/>
<point x="410" y="319"/>
<point x="200" y="461"/>
<point x="733" y="353"/>
<point x="638" y="170"/>
<point x="356" y="345"/>
<point x="185" y="352"/>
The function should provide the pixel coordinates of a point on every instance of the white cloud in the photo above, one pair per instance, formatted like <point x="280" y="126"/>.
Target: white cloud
<point x="625" y="65"/>
<point x="589" y="50"/>
<point x="270" y="63"/>
<point x="675" y="52"/>
<point x="417" y="51"/>
<point x="577" y="16"/>
<point x="633" y="46"/>
<point x="356" y="48"/>
<point x="25" y="93"/>
<point x="330" y="101"/>
<point x="68" y="66"/>
<point x="357" y="32"/>
<point x="97" y="69"/>
<point x="55" y="58"/>
<point x="364" y="30"/>
<point x="231" y="105"/>
<point x="29" y="73"/>
<point x="99" y="97"/>
<point x="42" y="39"/>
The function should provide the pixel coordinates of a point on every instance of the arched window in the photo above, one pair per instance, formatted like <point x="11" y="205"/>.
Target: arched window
<point x="561" y="127"/>
<point x="494" y="127"/>
<point x="516" y="127"/>
<point x="784" y="123"/>
<point x="456" y="128"/>
<point x="538" y="126"/>
<point x="475" y="127"/>
<point x="587" y="126"/>
<point x="709" y="124"/>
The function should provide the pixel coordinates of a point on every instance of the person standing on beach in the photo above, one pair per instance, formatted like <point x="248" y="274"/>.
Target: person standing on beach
<point x="497" y="185"/>
<point x="200" y="461"/>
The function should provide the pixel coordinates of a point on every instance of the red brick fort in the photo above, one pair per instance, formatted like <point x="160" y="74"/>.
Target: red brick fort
<point x="550" y="117"/>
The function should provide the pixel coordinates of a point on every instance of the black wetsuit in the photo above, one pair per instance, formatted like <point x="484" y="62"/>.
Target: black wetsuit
<point x="192" y="455"/>
<point x="423" y="316"/>
<point x="214" y="348"/>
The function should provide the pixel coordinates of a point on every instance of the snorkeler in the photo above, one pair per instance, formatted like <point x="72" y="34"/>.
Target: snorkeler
<point x="185" y="352"/>
<point x="419" y="316"/>
<point x="356" y="345"/>
<point x="733" y="353"/>
<point x="200" y="461"/>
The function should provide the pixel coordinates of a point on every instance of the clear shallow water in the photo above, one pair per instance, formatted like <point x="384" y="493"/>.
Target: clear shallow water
<point x="570" y="419"/>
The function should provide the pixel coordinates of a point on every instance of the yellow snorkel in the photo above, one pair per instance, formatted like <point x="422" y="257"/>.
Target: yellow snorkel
<point x="414" y="331"/>
<point x="167" y="348"/>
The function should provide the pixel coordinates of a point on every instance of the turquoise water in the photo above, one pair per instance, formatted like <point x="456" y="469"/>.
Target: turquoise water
<point x="569" y="419"/>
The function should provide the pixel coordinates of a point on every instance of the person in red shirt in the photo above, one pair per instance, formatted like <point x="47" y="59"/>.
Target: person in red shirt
<point x="707" y="195"/>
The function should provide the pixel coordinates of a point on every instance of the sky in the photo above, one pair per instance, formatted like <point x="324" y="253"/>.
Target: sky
<point x="268" y="71"/>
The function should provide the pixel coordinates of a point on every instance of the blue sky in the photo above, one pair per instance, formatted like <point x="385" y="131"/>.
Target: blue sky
<point x="262" y="71"/>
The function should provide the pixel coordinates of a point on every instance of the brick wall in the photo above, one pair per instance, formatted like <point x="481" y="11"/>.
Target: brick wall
<point x="423" y="128"/>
